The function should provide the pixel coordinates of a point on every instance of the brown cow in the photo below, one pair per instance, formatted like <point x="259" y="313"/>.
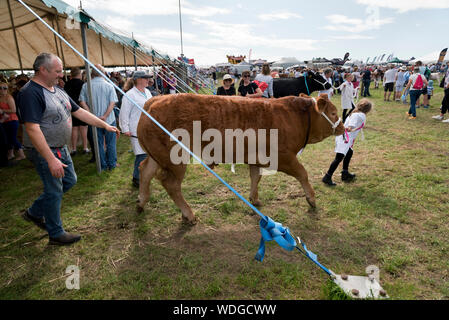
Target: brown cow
<point x="299" y="120"/>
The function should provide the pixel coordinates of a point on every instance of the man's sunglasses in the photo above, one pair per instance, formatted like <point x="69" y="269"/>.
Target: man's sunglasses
<point x="246" y="76"/>
<point x="4" y="88"/>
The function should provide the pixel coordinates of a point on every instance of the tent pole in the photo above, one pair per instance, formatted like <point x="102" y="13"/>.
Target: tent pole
<point x="154" y="74"/>
<point x="54" y="35"/>
<point x="15" y="36"/>
<point x="124" y="57"/>
<point x="89" y="96"/>
<point x="60" y="42"/>
<point x="101" y="50"/>
<point x="134" y="54"/>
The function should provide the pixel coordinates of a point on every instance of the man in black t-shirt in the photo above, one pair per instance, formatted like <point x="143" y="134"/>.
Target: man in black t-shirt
<point x="47" y="113"/>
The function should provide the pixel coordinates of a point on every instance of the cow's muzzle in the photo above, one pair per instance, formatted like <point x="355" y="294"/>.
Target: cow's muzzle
<point x="333" y="124"/>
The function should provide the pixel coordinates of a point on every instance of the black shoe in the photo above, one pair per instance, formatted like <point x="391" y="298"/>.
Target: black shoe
<point x="65" y="239"/>
<point x="136" y="183"/>
<point x="38" y="222"/>
<point x="346" y="176"/>
<point x="73" y="153"/>
<point x="92" y="160"/>
<point x="327" y="179"/>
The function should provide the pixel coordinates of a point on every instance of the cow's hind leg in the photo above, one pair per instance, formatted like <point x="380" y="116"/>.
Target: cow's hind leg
<point x="254" y="172"/>
<point x="291" y="166"/>
<point x="147" y="171"/>
<point x="171" y="181"/>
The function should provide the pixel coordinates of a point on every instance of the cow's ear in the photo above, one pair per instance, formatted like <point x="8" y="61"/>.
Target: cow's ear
<point x="303" y="95"/>
<point x="322" y="103"/>
<point x="324" y="96"/>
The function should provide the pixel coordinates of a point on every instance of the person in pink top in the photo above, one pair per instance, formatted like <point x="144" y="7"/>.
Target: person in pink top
<point x="10" y="123"/>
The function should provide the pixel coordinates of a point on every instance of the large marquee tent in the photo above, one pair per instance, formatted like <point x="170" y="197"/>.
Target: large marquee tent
<point x="24" y="37"/>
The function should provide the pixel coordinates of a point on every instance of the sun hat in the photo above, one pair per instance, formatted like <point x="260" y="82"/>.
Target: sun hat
<point x="228" y="77"/>
<point x="141" y="74"/>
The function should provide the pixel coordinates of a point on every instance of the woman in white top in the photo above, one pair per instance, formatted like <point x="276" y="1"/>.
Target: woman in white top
<point x="344" y="144"/>
<point x="347" y="95"/>
<point x="357" y="77"/>
<point x="268" y="79"/>
<point x="416" y="83"/>
<point x="130" y="115"/>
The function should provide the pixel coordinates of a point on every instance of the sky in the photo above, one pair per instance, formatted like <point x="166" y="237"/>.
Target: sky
<point x="274" y="29"/>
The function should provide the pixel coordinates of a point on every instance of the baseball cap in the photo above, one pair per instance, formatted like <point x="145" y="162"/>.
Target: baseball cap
<point x="228" y="77"/>
<point x="141" y="74"/>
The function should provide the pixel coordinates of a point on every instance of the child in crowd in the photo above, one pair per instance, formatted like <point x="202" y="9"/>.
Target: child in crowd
<point x="347" y="95"/>
<point x="429" y="93"/>
<point x="345" y="143"/>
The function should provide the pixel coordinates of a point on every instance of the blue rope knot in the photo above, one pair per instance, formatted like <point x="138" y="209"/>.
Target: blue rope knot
<point x="271" y="230"/>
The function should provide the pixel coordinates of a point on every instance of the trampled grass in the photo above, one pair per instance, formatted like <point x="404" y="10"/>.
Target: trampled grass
<point x="394" y="216"/>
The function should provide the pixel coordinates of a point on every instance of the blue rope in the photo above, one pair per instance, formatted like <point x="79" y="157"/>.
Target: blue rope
<point x="305" y="81"/>
<point x="270" y="230"/>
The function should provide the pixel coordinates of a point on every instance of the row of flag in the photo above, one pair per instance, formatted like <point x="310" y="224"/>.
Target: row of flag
<point x="381" y="58"/>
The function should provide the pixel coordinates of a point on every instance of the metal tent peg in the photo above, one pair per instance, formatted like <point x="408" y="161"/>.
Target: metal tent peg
<point x="360" y="287"/>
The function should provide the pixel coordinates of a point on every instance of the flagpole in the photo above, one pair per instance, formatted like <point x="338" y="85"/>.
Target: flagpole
<point x="180" y="29"/>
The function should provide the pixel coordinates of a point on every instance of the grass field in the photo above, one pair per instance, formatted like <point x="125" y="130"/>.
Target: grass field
<point x="394" y="216"/>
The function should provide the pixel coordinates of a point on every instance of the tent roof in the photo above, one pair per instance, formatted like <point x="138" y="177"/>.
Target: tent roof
<point x="33" y="37"/>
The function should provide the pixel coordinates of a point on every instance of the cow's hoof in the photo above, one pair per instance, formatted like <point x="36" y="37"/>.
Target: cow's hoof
<point x="191" y="222"/>
<point x="139" y="209"/>
<point x="312" y="203"/>
<point x="257" y="203"/>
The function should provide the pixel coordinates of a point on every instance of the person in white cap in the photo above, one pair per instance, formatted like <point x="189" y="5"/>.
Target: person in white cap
<point x="228" y="88"/>
<point x="130" y="115"/>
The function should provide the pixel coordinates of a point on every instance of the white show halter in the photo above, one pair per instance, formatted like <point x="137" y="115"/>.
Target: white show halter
<point x="334" y="125"/>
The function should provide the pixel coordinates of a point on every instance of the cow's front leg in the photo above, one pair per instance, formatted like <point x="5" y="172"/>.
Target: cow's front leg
<point x="291" y="166"/>
<point x="254" y="173"/>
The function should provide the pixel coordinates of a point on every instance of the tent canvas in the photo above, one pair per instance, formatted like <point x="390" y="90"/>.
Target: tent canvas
<point x="105" y="47"/>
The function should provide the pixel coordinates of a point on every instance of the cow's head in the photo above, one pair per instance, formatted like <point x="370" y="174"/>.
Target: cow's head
<point x="317" y="81"/>
<point x="328" y="123"/>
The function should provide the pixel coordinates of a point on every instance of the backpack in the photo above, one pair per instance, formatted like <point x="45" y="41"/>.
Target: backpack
<point x="419" y="84"/>
<point x="262" y="85"/>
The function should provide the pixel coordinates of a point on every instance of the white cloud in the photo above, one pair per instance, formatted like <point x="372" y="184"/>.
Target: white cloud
<point x="406" y="5"/>
<point x="150" y="7"/>
<point x="279" y="16"/>
<point x="165" y="34"/>
<point x="242" y="36"/>
<point x="345" y="24"/>
<point x="119" y="23"/>
<point x="352" y="37"/>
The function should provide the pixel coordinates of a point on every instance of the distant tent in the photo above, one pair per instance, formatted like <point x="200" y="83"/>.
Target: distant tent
<point x="396" y="60"/>
<point x="428" y="58"/>
<point x="286" y="62"/>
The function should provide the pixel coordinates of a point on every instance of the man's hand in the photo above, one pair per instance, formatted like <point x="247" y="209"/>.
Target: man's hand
<point x="56" y="168"/>
<point x="103" y="118"/>
<point x="128" y="134"/>
<point x="113" y="129"/>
